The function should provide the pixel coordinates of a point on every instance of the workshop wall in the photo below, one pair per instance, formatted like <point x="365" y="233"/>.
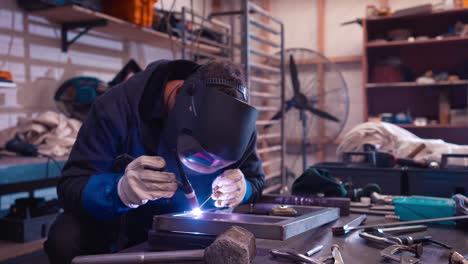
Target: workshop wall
<point x="30" y="49"/>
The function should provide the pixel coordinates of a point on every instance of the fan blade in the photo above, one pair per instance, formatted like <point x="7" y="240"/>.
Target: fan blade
<point x="279" y="114"/>
<point x="321" y="113"/>
<point x="294" y="78"/>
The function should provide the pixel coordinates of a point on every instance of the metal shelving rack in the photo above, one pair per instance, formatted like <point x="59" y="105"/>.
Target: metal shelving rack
<point x="265" y="82"/>
<point x="192" y="40"/>
<point x="266" y="88"/>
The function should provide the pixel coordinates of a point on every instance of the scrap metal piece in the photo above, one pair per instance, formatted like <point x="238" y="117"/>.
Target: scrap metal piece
<point x="314" y="251"/>
<point x="391" y="253"/>
<point x="341" y="230"/>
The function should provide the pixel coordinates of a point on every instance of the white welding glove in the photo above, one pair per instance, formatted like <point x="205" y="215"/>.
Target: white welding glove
<point x="229" y="188"/>
<point x="144" y="180"/>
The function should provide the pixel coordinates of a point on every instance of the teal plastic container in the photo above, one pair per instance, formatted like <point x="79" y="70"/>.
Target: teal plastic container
<point x="422" y="207"/>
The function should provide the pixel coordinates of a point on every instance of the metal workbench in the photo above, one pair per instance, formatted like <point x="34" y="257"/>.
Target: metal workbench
<point x="353" y="248"/>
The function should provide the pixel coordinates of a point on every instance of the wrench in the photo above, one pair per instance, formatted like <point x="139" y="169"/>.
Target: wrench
<point x="391" y="251"/>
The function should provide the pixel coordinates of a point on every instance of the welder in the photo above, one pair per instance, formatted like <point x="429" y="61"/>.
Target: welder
<point x="123" y="168"/>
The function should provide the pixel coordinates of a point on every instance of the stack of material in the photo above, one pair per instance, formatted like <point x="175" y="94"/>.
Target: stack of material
<point x="53" y="133"/>
<point x="394" y="139"/>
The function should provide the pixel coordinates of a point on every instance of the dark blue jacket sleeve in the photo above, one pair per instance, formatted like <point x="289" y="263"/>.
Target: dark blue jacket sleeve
<point x="88" y="186"/>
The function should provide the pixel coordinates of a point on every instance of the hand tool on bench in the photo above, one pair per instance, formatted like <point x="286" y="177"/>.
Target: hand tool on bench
<point x="378" y="235"/>
<point x="298" y="257"/>
<point x="236" y="242"/>
<point x="391" y="253"/>
<point x="340" y="229"/>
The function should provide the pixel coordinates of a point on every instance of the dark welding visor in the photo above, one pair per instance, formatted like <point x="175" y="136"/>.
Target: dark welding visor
<point x="213" y="128"/>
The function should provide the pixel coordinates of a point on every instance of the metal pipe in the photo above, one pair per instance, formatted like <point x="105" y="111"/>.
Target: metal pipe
<point x="262" y="26"/>
<point x="269" y="149"/>
<point x="268" y="136"/>
<point x="264" y="95"/>
<point x="266" y="122"/>
<point x="283" y="138"/>
<point x="142" y="257"/>
<point x="265" y="68"/>
<point x="266" y="108"/>
<point x="209" y="41"/>
<point x="265" y="55"/>
<point x="264" y="13"/>
<point x="271" y="162"/>
<point x="264" y="81"/>
<point x="264" y="41"/>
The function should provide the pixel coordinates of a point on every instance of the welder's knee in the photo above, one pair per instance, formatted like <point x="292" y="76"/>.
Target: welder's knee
<point x="64" y="239"/>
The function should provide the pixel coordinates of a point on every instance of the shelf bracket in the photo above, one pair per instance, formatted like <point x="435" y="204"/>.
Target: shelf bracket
<point x="85" y="25"/>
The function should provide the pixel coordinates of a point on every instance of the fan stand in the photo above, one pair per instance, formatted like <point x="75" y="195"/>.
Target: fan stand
<point x="303" y="117"/>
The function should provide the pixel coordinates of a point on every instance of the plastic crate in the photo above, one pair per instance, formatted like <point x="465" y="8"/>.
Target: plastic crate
<point x="140" y="12"/>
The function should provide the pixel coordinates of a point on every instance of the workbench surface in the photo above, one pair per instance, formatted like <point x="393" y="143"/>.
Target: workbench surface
<point x="353" y="248"/>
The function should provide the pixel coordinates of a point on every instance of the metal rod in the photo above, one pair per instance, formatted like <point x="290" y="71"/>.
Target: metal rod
<point x="271" y="162"/>
<point x="207" y="199"/>
<point x="269" y="149"/>
<point x="209" y="41"/>
<point x="314" y="251"/>
<point x="264" y="41"/>
<point x="266" y="108"/>
<point x="304" y="139"/>
<point x="283" y="138"/>
<point x="264" y="81"/>
<point x="267" y="122"/>
<point x="262" y="26"/>
<point x="265" y="55"/>
<point x="423" y="221"/>
<point x="268" y="136"/>
<point x="264" y="95"/>
<point x="142" y="257"/>
<point x="264" y="13"/>
<point x="266" y="68"/>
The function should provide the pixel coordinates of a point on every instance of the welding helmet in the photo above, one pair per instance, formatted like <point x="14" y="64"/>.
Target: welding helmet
<point x="208" y="128"/>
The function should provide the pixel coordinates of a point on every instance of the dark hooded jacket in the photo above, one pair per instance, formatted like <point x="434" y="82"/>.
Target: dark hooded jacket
<point x="129" y="119"/>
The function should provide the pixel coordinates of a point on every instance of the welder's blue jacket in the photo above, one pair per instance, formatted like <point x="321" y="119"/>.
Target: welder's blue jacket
<point x="128" y="119"/>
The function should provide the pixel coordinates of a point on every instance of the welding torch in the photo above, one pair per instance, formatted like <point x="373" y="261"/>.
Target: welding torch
<point x="184" y="184"/>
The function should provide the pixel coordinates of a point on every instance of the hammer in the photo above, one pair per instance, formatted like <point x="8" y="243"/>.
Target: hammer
<point x="234" y="246"/>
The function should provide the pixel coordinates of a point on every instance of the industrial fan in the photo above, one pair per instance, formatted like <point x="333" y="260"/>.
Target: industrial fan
<point x="316" y="106"/>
